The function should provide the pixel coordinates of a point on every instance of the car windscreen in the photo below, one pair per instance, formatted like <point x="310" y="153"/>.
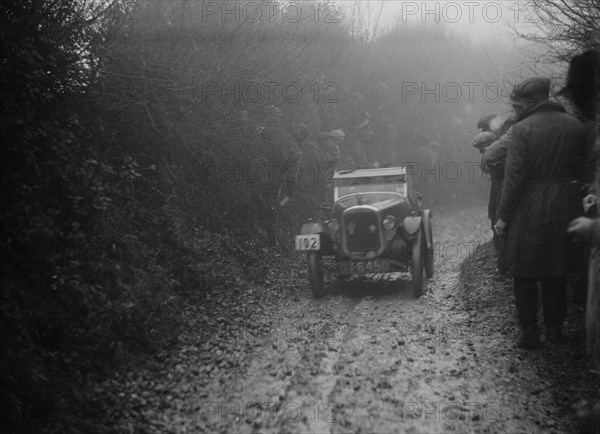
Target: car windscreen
<point x="347" y="201"/>
<point x="393" y="183"/>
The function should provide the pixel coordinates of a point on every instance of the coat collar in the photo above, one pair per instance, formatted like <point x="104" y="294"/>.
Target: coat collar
<point x="540" y="107"/>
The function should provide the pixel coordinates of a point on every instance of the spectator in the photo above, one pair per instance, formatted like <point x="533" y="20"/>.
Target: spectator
<point x="281" y="150"/>
<point x="546" y="153"/>
<point x="492" y="143"/>
<point x="322" y="155"/>
<point x="583" y="90"/>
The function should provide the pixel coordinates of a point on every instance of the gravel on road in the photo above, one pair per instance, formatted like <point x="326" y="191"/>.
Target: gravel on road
<point x="367" y="358"/>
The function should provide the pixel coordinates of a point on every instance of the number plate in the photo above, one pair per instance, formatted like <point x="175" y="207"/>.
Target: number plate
<point x="308" y="242"/>
<point x="364" y="267"/>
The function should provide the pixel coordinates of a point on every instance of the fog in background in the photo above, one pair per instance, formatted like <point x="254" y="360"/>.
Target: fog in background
<point x="449" y="63"/>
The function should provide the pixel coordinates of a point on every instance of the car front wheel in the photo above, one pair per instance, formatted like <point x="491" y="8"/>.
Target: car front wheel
<point x="315" y="273"/>
<point x="429" y="261"/>
<point x="418" y="263"/>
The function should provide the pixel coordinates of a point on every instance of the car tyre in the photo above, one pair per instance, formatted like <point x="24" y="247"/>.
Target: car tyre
<point x="315" y="273"/>
<point x="429" y="259"/>
<point x="418" y="264"/>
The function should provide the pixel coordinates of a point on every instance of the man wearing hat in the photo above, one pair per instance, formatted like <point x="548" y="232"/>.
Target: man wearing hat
<point x="281" y="149"/>
<point x="583" y="90"/>
<point x="328" y="148"/>
<point x="492" y="143"/>
<point x="344" y="155"/>
<point x="321" y="158"/>
<point x="545" y="156"/>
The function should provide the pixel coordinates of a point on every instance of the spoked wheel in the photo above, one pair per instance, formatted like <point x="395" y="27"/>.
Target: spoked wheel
<point x="315" y="273"/>
<point x="418" y="264"/>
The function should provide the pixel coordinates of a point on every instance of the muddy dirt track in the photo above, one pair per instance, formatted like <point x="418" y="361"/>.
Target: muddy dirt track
<point x="367" y="358"/>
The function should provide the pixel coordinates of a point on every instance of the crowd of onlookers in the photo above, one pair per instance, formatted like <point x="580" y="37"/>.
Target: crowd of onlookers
<point x="542" y="162"/>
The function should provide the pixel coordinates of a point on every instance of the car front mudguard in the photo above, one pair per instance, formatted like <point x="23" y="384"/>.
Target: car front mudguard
<point x="311" y="228"/>
<point x="413" y="224"/>
<point x="427" y="216"/>
<point x="410" y="227"/>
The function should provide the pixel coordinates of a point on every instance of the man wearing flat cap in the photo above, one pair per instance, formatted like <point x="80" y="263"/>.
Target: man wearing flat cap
<point x="545" y="158"/>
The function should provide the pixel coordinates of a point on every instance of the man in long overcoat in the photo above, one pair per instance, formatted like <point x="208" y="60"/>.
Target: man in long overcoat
<point x="281" y="151"/>
<point x="583" y="90"/>
<point x="540" y="196"/>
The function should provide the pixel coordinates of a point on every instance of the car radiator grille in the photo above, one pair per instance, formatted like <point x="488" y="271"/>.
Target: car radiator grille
<point x="361" y="231"/>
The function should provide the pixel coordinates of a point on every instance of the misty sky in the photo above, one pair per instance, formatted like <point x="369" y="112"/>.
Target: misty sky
<point x="481" y="20"/>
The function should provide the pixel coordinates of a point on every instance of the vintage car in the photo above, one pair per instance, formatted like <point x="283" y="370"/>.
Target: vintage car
<point x="375" y="225"/>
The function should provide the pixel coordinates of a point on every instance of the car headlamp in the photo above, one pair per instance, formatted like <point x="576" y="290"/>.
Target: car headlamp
<point x="389" y="223"/>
